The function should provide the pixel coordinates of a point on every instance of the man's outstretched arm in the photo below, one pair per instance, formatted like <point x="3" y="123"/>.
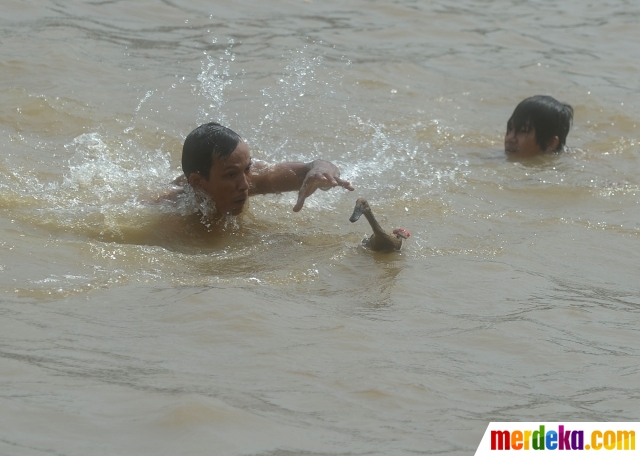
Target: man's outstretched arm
<point x="306" y="178"/>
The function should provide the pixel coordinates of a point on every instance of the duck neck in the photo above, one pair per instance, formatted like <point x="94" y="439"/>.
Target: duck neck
<point x="373" y="222"/>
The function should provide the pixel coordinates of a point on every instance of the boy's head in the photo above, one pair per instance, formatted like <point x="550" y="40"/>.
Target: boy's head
<point x="217" y="162"/>
<point x="539" y="124"/>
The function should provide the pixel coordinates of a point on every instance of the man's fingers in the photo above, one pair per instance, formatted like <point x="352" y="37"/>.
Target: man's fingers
<point x="299" y="204"/>
<point x="345" y="184"/>
<point x="326" y="182"/>
<point x="302" y="195"/>
<point x="319" y="181"/>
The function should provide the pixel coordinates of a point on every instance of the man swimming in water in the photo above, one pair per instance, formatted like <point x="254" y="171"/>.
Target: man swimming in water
<point x="216" y="162"/>
<point x="539" y="125"/>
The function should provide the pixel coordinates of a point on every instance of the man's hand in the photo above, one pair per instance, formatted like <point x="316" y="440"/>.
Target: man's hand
<point x="323" y="175"/>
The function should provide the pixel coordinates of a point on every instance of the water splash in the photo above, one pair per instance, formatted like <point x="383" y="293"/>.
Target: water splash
<point x="286" y="101"/>
<point x="106" y="187"/>
<point x="214" y="78"/>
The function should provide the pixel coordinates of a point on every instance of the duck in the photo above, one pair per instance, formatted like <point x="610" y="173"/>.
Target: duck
<point x="380" y="240"/>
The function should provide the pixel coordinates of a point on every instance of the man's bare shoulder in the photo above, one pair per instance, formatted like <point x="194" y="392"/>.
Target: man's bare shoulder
<point x="175" y="189"/>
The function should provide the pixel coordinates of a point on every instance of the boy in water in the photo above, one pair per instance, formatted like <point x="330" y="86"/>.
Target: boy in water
<point x="539" y="125"/>
<point x="217" y="162"/>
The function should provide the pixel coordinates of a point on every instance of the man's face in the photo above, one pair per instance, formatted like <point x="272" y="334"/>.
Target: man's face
<point x="521" y="143"/>
<point x="229" y="180"/>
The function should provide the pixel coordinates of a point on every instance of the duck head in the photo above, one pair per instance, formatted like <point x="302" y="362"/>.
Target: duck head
<point x="361" y="207"/>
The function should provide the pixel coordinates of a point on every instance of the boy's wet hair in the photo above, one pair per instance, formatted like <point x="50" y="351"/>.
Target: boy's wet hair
<point x="546" y="115"/>
<point x="205" y="144"/>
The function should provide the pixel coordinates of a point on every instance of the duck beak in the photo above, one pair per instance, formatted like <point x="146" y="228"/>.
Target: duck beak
<point x="357" y="212"/>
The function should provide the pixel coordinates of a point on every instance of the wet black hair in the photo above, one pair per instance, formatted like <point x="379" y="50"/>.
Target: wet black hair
<point x="546" y="115"/>
<point x="205" y="144"/>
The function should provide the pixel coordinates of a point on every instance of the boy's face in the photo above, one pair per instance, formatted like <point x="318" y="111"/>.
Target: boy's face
<point x="229" y="180"/>
<point x="522" y="143"/>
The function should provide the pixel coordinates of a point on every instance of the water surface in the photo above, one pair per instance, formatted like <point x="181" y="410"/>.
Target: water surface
<point x="132" y="328"/>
